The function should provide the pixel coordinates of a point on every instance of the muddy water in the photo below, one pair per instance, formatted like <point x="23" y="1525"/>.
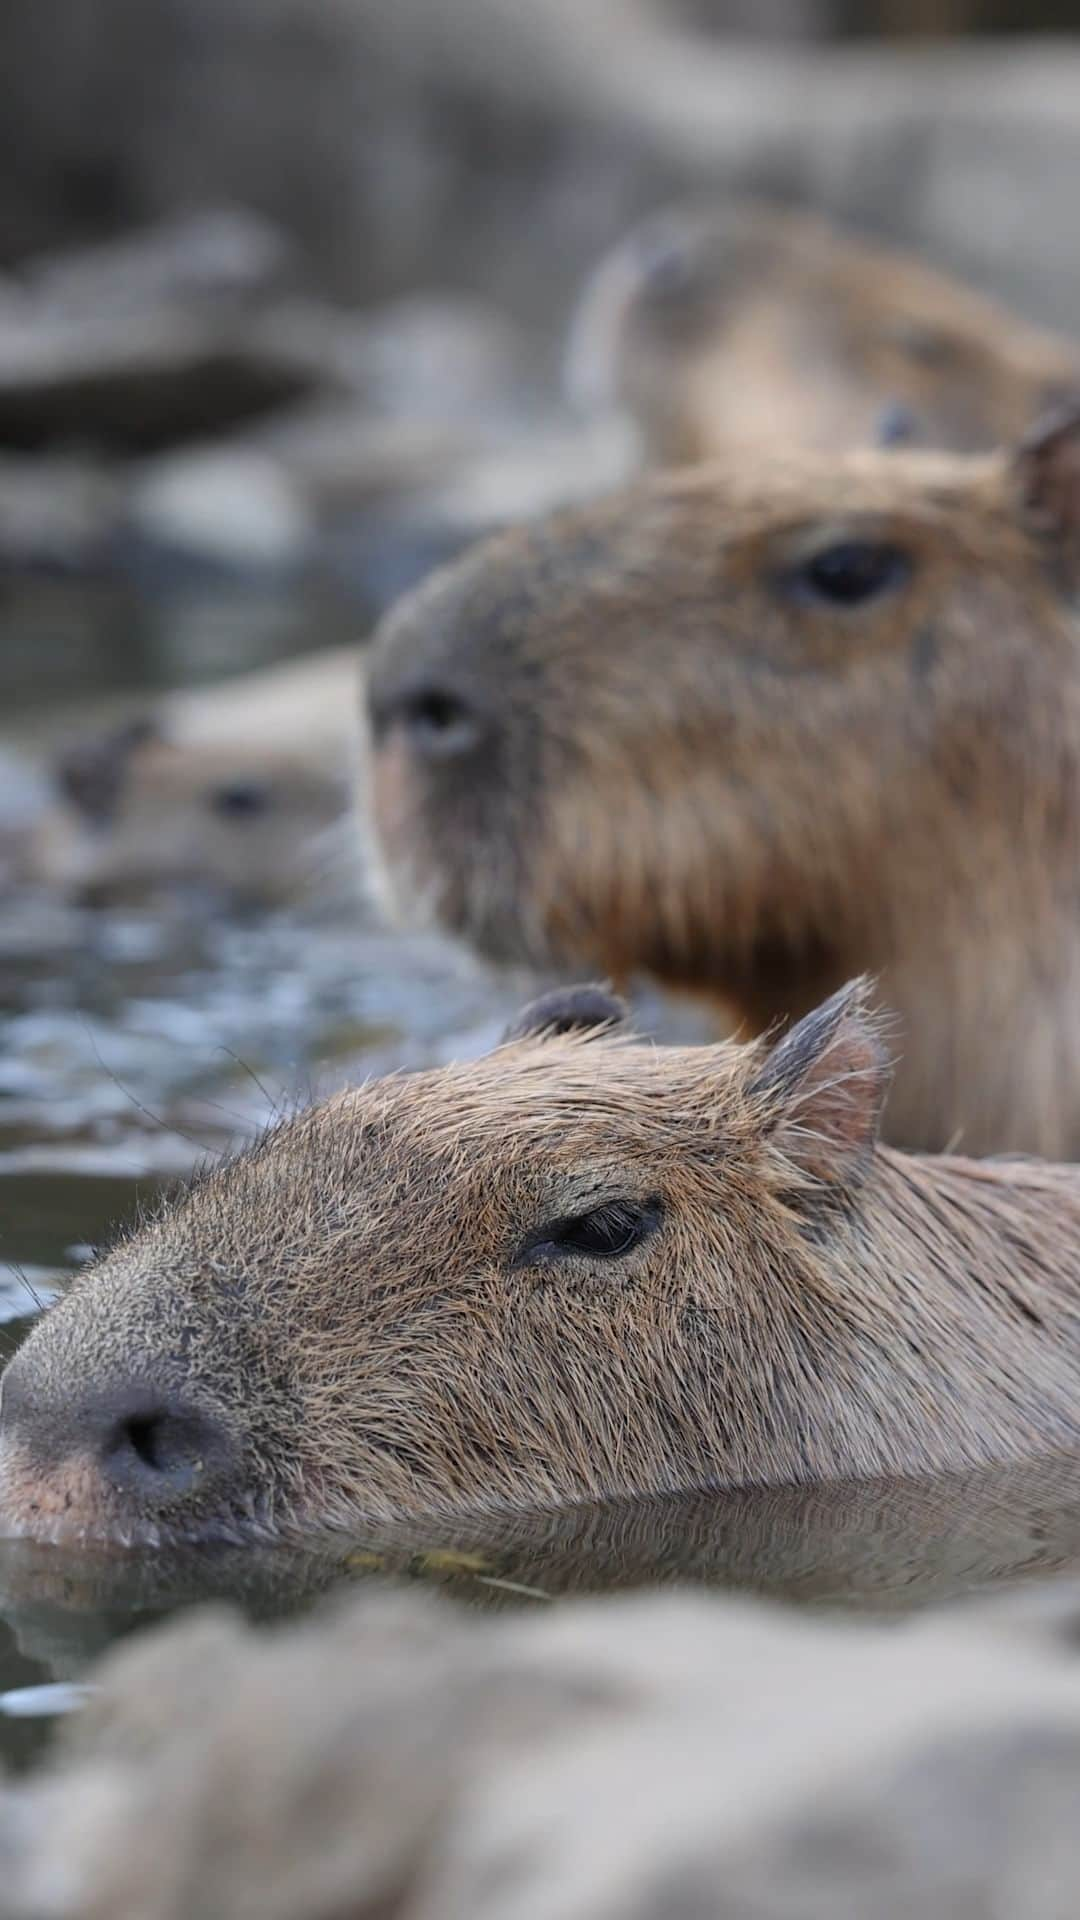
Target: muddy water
<point x="133" y="1044"/>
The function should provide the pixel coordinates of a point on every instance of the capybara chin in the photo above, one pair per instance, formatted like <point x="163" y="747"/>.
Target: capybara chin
<point x="576" y="1269"/>
<point x="735" y="324"/>
<point x="757" y="727"/>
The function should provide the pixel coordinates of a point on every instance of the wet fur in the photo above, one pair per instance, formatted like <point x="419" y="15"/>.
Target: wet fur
<point x="351" y="1298"/>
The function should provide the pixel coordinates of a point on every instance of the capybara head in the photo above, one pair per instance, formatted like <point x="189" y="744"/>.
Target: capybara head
<point x="742" y="324"/>
<point x="138" y="813"/>
<point x="755" y="727"/>
<point x="579" y="1267"/>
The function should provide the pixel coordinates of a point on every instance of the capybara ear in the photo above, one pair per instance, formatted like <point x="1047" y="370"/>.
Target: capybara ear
<point x="1046" y="466"/>
<point x="568" y="1010"/>
<point x="91" y="773"/>
<point x="823" y="1087"/>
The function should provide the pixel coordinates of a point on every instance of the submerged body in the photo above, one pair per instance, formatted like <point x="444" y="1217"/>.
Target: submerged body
<point x="576" y="1269"/>
<point x="754" y="728"/>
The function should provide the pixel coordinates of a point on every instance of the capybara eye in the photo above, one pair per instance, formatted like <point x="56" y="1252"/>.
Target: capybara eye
<point x="242" y="800"/>
<point x="669" y="265"/>
<point x="439" y="722"/>
<point x="604" y="1233"/>
<point x="851" y="573"/>
<point x="896" y="426"/>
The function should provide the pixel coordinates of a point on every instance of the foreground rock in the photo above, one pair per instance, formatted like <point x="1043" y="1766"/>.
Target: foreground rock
<point x="401" y="1759"/>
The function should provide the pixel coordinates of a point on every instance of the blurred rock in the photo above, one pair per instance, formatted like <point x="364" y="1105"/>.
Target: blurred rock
<point x="57" y="512"/>
<point x="633" y="1759"/>
<point x="380" y="544"/>
<point x="211" y="257"/>
<point x="228" y="507"/>
<point x="133" y="380"/>
<point x="498" y="146"/>
<point x="434" y="357"/>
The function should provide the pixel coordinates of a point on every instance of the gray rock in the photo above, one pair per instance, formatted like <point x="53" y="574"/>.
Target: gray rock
<point x="134" y="380"/>
<point x="232" y="508"/>
<point x="714" y="1759"/>
<point x="56" y="512"/>
<point x="219" y="255"/>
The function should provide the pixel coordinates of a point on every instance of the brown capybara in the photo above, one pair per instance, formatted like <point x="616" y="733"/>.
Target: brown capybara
<point x="575" y="1269"/>
<point x="741" y="324"/>
<point x="755" y="728"/>
<point x="137" y="813"/>
<point x="240" y="790"/>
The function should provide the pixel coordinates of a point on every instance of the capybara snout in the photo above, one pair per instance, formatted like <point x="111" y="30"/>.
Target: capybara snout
<point x="582" y="1267"/>
<point x="132" y="1454"/>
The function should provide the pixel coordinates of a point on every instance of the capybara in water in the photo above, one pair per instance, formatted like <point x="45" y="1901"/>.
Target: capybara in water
<point x="740" y="324"/>
<point x="756" y="727"/>
<point x="138" y="813"/>
<point x="240" y="790"/>
<point x="577" y="1268"/>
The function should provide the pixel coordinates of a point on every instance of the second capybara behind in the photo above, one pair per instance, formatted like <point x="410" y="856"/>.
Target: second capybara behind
<point x="137" y="815"/>
<point x="577" y="1268"/>
<point x="758" y="726"/>
<point x="239" y="791"/>
<point x="740" y="324"/>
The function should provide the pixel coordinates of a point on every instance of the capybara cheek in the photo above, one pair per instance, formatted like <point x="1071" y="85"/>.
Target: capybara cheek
<point x="65" y="1501"/>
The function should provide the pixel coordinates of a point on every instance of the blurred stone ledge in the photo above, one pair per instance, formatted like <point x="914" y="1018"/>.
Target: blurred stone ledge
<point x="627" y="1759"/>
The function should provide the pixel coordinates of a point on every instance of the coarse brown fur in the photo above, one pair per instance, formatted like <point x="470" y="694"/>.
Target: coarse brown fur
<point x="380" y="1312"/>
<point x="634" y="737"/>
<point x="741" y="324"/>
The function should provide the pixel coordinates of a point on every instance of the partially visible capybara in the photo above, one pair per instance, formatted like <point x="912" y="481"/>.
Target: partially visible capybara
<point x="138" y="815"/>
<point x="576" y="1268"/>
<point x="741" y="324"/>
<point x="756" y="727"/>
<point x="235" y="790"/>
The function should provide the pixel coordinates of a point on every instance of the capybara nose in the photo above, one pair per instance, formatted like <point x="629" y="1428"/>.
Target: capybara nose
<point x="147" y="1446"/>
<point x="440" y="722"/>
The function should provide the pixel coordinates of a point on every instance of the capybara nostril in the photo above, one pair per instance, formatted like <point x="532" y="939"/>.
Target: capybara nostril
<point x="160" y="1449"/>
<point x="440" y="722"/>
<point x="139" y="1442"/>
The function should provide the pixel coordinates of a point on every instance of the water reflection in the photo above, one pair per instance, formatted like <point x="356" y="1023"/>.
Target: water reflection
<point x="886" y="1546"/>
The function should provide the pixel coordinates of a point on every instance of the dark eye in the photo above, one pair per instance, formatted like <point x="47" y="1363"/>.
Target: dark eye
<point x="669" y="266"/>
<point x="440" y="723"/>
<point x="604" y="1233"/>
<point x="850" y="573"/>
<point x="897" y="426"/>
<point x="242" y="800"/>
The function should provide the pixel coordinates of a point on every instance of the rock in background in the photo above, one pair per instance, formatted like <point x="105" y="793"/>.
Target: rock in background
<point x="496" y="145"/>
<point x="285" y="281"/>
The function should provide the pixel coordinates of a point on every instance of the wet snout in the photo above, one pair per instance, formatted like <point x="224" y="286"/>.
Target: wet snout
<point x="127" y="1460"/>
